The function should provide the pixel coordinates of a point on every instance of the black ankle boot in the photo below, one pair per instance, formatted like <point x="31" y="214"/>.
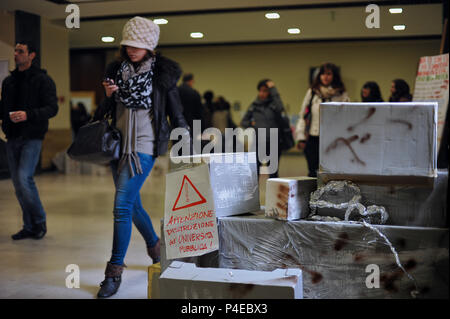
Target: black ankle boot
<point x="40" y="230"/>
<point x="22" y="235"/>
<point x="113" y="278"/>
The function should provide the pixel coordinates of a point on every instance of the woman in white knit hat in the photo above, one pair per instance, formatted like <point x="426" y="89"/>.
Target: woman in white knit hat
<point x="140" y="92"/>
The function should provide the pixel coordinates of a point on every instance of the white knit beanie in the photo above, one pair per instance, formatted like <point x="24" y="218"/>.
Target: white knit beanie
<point x="140" y="33"/>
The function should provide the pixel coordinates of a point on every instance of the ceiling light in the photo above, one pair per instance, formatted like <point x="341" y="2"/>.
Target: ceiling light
<point x="272" y="15"/>
<point x="160" y="21"/>
<point x="399" y="27"/>
<point x="294" y="31"/>
<point x="395" y="10"/>
<point x="108" y="39"/>
<point x="196" y="35"/>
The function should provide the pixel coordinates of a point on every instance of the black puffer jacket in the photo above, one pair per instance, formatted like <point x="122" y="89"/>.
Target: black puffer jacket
<point x="165" y="100"/>
<point x="38" y="96"/>
<point x="264" y="114"/>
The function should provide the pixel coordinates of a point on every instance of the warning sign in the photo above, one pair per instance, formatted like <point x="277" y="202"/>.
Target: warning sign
<point x="190" y="226"/>
<point x="189" y="197"/>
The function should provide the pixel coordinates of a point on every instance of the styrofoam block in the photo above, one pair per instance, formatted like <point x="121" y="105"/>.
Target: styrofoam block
<point x="288" y="198"/>
<point x="382" y="139"/>
<point x="187" y="281"/>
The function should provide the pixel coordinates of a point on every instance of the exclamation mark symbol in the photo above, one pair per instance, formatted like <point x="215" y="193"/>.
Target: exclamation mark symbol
<point x="186" y="192"/>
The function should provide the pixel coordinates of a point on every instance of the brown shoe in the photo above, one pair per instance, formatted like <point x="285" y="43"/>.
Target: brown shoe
<point x="155" y="252"/>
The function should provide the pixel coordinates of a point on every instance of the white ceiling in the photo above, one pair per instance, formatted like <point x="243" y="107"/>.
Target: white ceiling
<point x="98" y="8"/>
<point x="237" y="26"/>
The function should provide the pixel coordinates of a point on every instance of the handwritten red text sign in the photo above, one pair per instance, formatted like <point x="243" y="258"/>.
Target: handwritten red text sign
<point x="190" y="227"/>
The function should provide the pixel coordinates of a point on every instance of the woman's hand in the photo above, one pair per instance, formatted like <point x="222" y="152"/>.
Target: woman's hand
<point x="110" y="87"/>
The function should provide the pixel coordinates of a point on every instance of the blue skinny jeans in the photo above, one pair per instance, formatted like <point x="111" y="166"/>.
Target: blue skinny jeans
<point x="128" y="208"/>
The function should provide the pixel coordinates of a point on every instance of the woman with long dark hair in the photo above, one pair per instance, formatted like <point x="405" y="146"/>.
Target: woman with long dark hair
<point x="370" y="92"/>
<point x="140" y="92"/>
<point x="326" y="87"/>
<point x="400" y="91"/>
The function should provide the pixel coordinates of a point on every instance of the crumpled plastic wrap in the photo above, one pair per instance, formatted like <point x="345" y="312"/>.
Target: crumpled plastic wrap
<point x="338" y="195"/>
<point x="372" y="214"/>
<point x="341" y="200"/>
<point x="334" y="255"/>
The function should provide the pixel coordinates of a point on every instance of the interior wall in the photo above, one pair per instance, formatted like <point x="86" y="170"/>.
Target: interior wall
<point x="55" y="59"/>
<point x="234" y="71"/>
<point x="7" y="42"/>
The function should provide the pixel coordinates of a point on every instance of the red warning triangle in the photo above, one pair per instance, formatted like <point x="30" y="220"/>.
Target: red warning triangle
<point x="189" y="198"/>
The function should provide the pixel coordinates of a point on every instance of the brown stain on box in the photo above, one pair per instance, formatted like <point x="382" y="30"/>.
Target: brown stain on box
<point x="341" y="241"/>
<point x="389" y="280"/>
<point x="370" y="113"/>
<point x="316" y="277"/>
<point x="347" y="142"/>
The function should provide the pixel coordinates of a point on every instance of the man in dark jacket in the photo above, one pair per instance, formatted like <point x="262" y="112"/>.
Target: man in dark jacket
<point x="192" y="107"/>
<point x="28" y="100"/>
<point x="263" y="114"/>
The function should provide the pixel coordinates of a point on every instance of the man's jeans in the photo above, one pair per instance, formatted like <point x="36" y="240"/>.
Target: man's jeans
<point x="23" y="157"/>
<point x="128" y="208"/>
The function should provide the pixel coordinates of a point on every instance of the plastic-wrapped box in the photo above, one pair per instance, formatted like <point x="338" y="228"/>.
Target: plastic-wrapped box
<point x="335" y="256"/>
<point x="288" y="198"/>
<point x="392" y="140"/>
<point x="185" y="281"/>
<point x="233" y="177"/>
<point x="406" y="204"/>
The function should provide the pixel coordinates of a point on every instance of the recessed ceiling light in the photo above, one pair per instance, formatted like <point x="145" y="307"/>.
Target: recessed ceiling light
<point x="272" y="15"/>
<point x="294" y="31"/>
<point x="160" y="21"/>
<point x="108" y="39"/>
<point x="399" y="27"/>
<point x="395" y="10"/>
<point x="196" y="35"/>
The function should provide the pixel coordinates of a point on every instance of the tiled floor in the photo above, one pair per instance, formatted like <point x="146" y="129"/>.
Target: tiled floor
<point x="79" y="221"/>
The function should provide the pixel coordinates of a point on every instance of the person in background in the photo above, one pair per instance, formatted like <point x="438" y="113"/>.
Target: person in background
<point x="326" y="87"/>
<point x="191" y="101"/>
<point x="221" y="119"/>
<point x="78" y="117"/>
<point x="370" y="92"/>
<point x="400" y="91"/>
<point x="208" y="96"/>
<point x="263" y="113"/>
<point x="140" y="92"/>
<point x="28" y="101"/>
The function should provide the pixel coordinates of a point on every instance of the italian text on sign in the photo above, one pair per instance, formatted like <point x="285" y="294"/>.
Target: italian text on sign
<point x="190" y="227"/>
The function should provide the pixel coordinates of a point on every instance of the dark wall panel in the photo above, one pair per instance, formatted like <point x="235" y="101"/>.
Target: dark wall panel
<point x="28" y="28"/>
<point x="87" y="68"/>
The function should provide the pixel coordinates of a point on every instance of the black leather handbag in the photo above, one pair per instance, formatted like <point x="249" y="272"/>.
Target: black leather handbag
<point x="96" y="142"/>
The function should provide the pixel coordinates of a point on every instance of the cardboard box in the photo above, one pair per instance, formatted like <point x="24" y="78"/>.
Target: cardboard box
<point x="288" y="198"/>
<point x="233" y="178"/>
<point x="187" y="281"/>
<point x="378" y="139"/>
<point x="334" y="256"/>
